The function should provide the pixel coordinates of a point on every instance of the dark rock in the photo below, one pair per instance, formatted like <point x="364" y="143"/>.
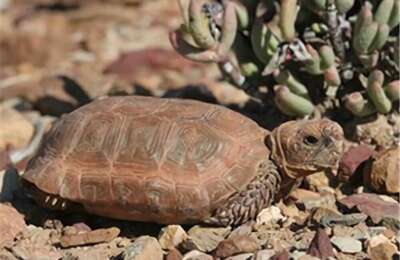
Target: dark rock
<point x="352" y="159"/>
<point x="321" y="245"/>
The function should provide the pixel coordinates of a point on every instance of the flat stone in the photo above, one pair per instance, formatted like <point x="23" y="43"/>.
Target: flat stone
<point x="171" y="236"/>
<point x="206" y="239"/>
<point x="326" y="201"/>
<point x="347" y="244"/>
<point x="144" y="248"/>
<point x="374" y="231"/>
<point x="359" y="232"/>
<point x="324" y="216"/>
<point x="236" y="245"/>
<point x="301" y="194"/>
<point x="241" y="257"/>
<point x="347" y="220"/>
<point x="244" y="229"/>
<point x="90" y="237"/>
<point x="196" y="255"/>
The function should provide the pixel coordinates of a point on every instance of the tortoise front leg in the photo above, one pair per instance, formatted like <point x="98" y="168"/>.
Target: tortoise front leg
<point x="245" y="205"/>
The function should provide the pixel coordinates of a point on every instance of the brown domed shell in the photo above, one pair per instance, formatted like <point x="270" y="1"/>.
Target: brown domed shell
<point x="149" y="159"/>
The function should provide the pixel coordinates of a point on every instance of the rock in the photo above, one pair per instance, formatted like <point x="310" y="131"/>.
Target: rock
<point x="321" y="246"/>
<point x="32" y="251"/>
<point x="372" y="205"/>
<point x="174" y="254"/>
<point x="244" y="229"/>
<point x="303" y="239"/>
<point x="90" y="237"/>
<point x="95" y="252"/>
<point x="206" y="239"/>
<point x="326" y="201"/>
<point x="241" y="257"/>
<point x="380" y="248"/>
<point x="277" y="239"/>
<point x="15" y="131"/>
<point x="282" y="255"/>
<point x="9" y="183"/>
<point x="308" y="200"/>
<point x="53" y="224"/>
<point x="301" y="194"/>
<point x="323" y="216"/>
<point x="196" y="255"/>
<point x="387" y="198"/>
<point x="171" y="236"/>
<point x="35" y="243"/>
<point x="317" y="181"/>
<point x="6" y="255"/>
<point x="144" y="248"/>
<point x="375" y="231"/>
<point x="347" y="219"/>
<point x="290" y="210"/>
<point x="236" y="245"/>
<point x="11" y="224"/>
<point x="122" y="242"/>
<point x="379" y="132"/>
<point x="264" y="254"/>
<point x="383" y="173"/>
<point x="352" y="159"/>
<point x="269" y="216"/>
<point x="359" y="232"/>
<point x="295" y="255"/>
<point x="347" y="244"/>
<point x="306" y="257"/>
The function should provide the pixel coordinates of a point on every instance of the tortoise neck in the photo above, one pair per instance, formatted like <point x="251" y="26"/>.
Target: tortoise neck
<point x="287" y="185"/>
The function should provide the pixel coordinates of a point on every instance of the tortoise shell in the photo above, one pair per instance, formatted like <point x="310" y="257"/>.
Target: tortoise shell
<point x="149" y="159"/>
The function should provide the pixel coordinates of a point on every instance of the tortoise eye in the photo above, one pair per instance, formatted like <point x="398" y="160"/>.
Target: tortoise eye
<point x="310" y="140"/>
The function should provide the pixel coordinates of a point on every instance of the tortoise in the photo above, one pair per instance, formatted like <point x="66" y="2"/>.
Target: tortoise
<point x="175" y="161"/>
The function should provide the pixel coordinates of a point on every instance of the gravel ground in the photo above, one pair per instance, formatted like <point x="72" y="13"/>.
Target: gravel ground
<point x="58" y="55"/>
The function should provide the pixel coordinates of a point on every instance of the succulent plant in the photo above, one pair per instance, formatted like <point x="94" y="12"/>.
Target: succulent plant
<point x="308" y="52"/>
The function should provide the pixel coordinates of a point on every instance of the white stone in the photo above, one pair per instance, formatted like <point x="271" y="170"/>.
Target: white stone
<point x="171" y="236"/>
<point x="144" y="248"/>
<point x="347" y="244"/>
<point x="269" y="215"/>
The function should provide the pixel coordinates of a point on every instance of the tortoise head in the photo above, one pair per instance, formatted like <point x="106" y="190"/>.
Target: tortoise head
<point x="301" y="148"/>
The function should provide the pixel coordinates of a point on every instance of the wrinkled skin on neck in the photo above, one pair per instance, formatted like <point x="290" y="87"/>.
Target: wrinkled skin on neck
<point x="301" y="148"/>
